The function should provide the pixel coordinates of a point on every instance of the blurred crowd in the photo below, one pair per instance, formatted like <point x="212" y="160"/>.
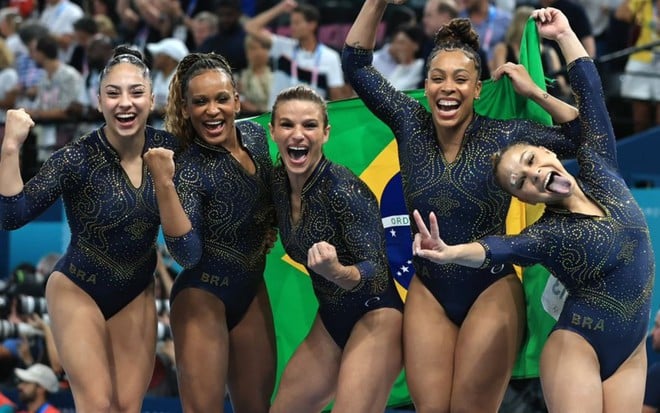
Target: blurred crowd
<point x="27" y="351"/>
<point x="51" y="51"/>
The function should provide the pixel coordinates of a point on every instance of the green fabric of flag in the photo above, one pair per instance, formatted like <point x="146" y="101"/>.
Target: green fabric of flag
<point x="364" y="144"/>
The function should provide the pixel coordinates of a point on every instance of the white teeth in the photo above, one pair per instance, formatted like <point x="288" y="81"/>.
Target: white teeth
<point x="298" y="148"/>
<point x="125" y="116"/>
<point x="547" y="180"/>
<point x="447" y="102"/>
<point x="215" y="123"/>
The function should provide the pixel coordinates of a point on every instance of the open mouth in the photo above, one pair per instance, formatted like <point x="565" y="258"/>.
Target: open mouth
<point x="297" y="153"/>
<point x="126" y="118"/>
<point x="447" y="105"/>
<point x="557" y="183"/>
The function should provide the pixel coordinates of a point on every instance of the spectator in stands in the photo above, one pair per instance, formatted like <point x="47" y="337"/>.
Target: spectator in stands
<point x="34" y="385"/>
<point x="106" y="26"/>
<point x="166" y="55"/>
<point x="437" y="13"/>
<point x="10" y="21"/>
<point x="8" y="82"/>
<point x="85" y="109"/>
<point x="29" y="74"/>
<point x="299" y="58"/>
<point x="180" y="13"/>
<point x="59" y="16"/>
<point x="641" y="80"/>
<point x="6" y="404"/>
<point x="85" y="28"/>
<point x="230" y="39"/>
<point x="490" y="22"/>
<point x="255" y="82"/>
<point x="204" y="26"/>
<point x="142" y="22"/>
<point x="400" y="60"/>
<point x="61" y="86"/>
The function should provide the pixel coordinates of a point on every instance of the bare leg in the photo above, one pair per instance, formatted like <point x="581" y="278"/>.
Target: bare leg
<point x="310" y="377"/>
<point x="429" y="340"/>
<point x="82" y="343"/>
<point x="201" y="344"/>
<point x="132" y="333"/>
<point x="371" y="361"/>
<point x="487" y="347"/>
<point x="570" y="374"/>
<point x="624" y="390"/>
<point x="252" y="358"/>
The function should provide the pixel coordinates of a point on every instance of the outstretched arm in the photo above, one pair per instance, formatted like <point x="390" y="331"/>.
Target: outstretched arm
<point x="17" y="128"/>
<point x="362" y="34"/>
<point x="428" y="244"/>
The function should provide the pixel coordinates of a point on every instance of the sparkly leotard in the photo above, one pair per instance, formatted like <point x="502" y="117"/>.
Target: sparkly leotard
<point x="114" y="225"/>
<point x="606" y="263"/>
<point x="463" y="193"/>
<point x="337" y="207"/>
<point x="230" y="210"/>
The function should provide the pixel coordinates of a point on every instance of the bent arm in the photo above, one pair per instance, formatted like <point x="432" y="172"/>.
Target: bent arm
<point x="256" y="26"/>
<point x="362" y="34"/>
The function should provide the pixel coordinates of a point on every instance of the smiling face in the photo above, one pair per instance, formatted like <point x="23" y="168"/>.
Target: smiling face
<point x="299" y="130"/>
<point x="125" y="99"/>
<point x="534" y="174"/>
<point x="211" y="104"/>
<point x="451" y="86"/>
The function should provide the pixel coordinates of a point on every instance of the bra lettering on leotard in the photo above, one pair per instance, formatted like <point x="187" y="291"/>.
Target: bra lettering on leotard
<point x="588" y="322"/>
<point x="82" y="275"/>
<point x="215" y="280"/>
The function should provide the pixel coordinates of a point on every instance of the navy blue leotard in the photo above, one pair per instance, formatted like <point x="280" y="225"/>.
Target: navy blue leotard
<point x="606" y="263"/>
<point x="463" y="193"/>
<point x="230" y="210"/>
<point x="114" y="225"/>
<point x="339" y="208"/>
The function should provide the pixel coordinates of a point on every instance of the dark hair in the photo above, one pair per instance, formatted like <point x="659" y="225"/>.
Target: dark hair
<point x="496" y="158"/>
<point x="86" y="24"/>
<point x="414" y="32"/>
<point x="309" y="12"/>
<point x="190" y="66"/>
<point x="31" y="31"/>
<point x="47" y="44"/>
<point x="126" y="54"/>
<point x="458" y="34"/>
<point x="300" y="92"/>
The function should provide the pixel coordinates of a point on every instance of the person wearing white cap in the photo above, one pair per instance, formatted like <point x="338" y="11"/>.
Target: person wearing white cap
<point x="166" y="54"/>
<point x="34" y="384"/>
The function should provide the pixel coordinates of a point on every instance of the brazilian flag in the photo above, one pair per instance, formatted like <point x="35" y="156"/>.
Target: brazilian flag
<point x="364" y="144"/>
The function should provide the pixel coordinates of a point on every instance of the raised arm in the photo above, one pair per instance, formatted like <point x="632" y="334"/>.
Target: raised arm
<point x="17" y="128"/>
<point x="553" y="24"/>
<point x="362" y="34"/>
<point x="256" y="26"/>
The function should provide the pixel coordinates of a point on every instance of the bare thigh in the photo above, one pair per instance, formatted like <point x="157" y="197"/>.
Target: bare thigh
<point x="570" y="374"/>
<point x="371" y="361"/>
<point x="309" y="380"/>
<point x="82" y="343"/>
<point x="624" y="390"/>
<point x="487" y="347"/>
<point x="132" y="333"/>
<point x="201" y="346"/>
<point x="429" y="340"/>
<point x="252" y="357"/>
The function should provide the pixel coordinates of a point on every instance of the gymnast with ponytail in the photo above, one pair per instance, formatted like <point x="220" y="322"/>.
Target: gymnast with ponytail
<point x="218" y="219"/>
